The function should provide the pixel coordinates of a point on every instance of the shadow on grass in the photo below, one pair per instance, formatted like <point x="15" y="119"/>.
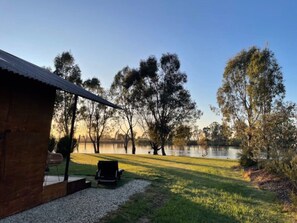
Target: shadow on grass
<point x="190" y="164"/>
<point x="165" y="159"/>
<point x="187" y="211"/>
<point x="147" y="164"/>
<point x="195" y="179"/>
<point x="190" y="195"/>
<point x="163" y="206"/>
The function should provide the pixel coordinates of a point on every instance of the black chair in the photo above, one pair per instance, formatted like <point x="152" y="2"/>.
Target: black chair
<point x="108" y="172"/>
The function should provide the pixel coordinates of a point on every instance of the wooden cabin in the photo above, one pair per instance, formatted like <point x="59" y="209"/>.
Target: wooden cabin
<point x="27" y="95"/>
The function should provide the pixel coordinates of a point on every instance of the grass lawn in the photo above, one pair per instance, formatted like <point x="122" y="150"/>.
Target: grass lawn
<point x="186" y="189"/>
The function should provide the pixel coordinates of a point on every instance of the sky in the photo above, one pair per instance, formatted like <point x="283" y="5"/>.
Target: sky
<point x="105" y="36"/>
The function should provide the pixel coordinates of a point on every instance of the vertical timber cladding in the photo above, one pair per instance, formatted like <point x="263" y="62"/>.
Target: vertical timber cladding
<point x="26" y="109"/>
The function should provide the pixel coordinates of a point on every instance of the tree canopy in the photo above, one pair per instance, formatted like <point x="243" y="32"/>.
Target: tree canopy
<point x="163" y="101"/>
<point x="125" y="96"/>
<point x="252" y="84"/>
<point x="94" y="114"/>
<point x="66" y="68"/>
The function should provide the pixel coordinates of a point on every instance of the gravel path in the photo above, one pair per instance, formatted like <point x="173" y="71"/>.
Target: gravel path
<point x="88" y="205"/>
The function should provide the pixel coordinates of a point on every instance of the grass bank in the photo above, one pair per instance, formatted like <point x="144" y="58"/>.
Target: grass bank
<point x="186" y="189"/>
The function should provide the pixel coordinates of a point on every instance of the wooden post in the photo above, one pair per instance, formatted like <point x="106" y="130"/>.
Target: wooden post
<point x="71" y="138"/>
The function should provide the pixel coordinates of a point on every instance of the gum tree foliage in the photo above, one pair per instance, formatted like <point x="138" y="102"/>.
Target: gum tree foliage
<point x="280" y="129"/>
<point x="96" y="115"/>
<point x="163" y="101"/>
<point x="66" y="68"/>
<point x="281" y="132"/>
<point x="127" y="100"/>
<point x="219" y="134"/>
<point x="182" y="135"/>
<point x="252" y="83"/>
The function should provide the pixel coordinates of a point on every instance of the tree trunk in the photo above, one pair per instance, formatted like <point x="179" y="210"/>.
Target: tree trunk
<point x="250" y="149"/>
<point x="249" y="139"/>
<point x="162" y="146"/>
<point x="85" y="139"/>
<point x="93" y="142"/>
<point x="126" y="141"/>
<point x="95" y="147"/>
<point x="268" y="152"/>
<point x="155" y="148"/>
<point x="98" y="144"/>
<point x="78" y="142"/>
<point x="163" y="151"/>
<point x="133" y="146"/>
<point x="132" y="140"/>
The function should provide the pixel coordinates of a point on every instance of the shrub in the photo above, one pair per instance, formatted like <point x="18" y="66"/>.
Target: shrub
<point x="52" y="143"/>
<point x="290" y="170"/>
<point x="63" y="145"/>
<point x="246" y="157"/>
<point x="285" y="165"/>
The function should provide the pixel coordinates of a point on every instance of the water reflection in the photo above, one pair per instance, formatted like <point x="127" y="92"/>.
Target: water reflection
<point x="225" y="152"/>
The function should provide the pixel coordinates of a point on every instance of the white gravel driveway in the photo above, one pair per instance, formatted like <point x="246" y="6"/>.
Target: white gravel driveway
<point x="88" y="205"/>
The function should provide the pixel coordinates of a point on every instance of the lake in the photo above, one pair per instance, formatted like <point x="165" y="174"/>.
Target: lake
<point x="223" y="152"/>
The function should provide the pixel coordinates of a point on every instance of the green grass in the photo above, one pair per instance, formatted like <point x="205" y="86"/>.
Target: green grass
<point x="186" y="189"/>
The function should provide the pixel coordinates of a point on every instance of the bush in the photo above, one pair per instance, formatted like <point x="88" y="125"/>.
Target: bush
<point x="63" y="145"/>
<point x="290" y="170"/>
<point x="52" y="143"/>
<point x="246" y="158"/>
<point x="285" y="165"/>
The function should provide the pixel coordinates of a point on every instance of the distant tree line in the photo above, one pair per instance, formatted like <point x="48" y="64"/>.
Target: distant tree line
<point x="217" y="134"/>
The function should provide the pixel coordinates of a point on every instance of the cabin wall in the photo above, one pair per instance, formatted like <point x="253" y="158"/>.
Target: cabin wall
<point x="26" y="109"/>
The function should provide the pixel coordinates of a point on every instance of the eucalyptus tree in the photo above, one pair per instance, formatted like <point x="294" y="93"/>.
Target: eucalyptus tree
<point x="252" y="83"/>
<point x="163" y="102"/>
<point x="66" y="68"/>
<point x="127" y="100"/>
<point x="96" y="115"/>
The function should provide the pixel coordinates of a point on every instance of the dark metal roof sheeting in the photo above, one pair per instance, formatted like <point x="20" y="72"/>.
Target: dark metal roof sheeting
<point x="21" y="67"/>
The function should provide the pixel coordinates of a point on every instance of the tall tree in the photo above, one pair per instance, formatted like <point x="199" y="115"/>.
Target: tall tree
<point x="96" y="115"/>
<point x="126" y="98"/>
<point x="66" y="68"/>
<point x="252" y="83"/>
<point x="163" y="101"/>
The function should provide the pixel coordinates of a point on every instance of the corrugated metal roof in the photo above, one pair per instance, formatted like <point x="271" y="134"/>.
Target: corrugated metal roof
<point x="21" y="67"/>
